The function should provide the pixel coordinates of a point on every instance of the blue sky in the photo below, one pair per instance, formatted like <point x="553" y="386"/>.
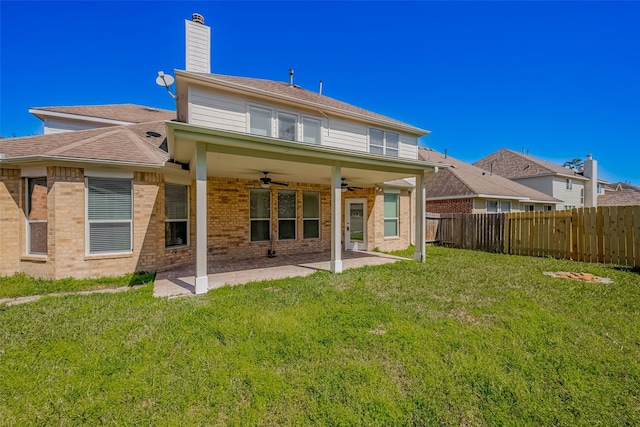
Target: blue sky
<point x="559" y="79"/>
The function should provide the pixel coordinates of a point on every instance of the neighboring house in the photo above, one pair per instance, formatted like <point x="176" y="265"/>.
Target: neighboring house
<point x="464" y="188"/>
<point x="66" y="119"/>
<point x="574" y="189"/>
<point x="619" y="194"/>
<point x="158" y="195"/>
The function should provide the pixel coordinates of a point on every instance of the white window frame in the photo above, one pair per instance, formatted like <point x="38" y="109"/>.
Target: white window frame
<point x="600" y="188"/>
<point x="305" y="219"/>
<point x="569" y="184"/>
<point x="387" y="151"/>
<point x="88" y="222"/>
<point x="186" y="220"/>
<point x="296" y="124"/>
<point x="529" y="208"/>
<point x="27" y="212"/>
<point x="294" y="219"/>
<point x="582" y="196"/>
<point x="263" y="109"/>
<point x="311" y="119"/>
<point x="499" y="206"/>
<point x="396" y="219"/>
<point x="255" y="191"/>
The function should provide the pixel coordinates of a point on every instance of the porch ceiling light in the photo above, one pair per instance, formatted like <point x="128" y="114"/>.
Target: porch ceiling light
<point x="263" y="185"/>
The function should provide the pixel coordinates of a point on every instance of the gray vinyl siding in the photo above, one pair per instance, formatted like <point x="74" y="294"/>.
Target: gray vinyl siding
<point x="217" y="111"/>
<point x="230" y="113"/>
<point x="346" y="135"/>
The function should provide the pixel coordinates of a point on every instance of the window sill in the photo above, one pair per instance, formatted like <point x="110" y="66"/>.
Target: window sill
<point x="108" y="256"/>
<point x="34" y="258"/>
<point x="176" y="247"/>
<point x="392" y="238"/>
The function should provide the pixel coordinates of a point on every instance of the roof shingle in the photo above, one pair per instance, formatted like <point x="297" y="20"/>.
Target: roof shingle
<point x="131" y="113"/>
<point x="127" y="143"/>
<point x="464" y="179"/>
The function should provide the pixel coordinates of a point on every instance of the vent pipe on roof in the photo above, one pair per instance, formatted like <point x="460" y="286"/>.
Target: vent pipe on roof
<point x="320" y="90"/>
<point x="197" y="18"/>
<point x="446" y="151"/>
<point x="290" y="76"/>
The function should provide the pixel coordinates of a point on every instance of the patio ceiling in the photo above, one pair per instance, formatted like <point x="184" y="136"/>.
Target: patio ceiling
<point x="235" y="155"/>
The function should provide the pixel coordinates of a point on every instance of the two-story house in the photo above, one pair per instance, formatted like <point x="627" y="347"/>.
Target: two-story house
<point x="250" y="167"/>
<point x="464" y="188"/>
<point x="574" y="189"/>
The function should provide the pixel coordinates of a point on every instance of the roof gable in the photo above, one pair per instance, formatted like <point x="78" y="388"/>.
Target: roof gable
<point x="511" y="164"/>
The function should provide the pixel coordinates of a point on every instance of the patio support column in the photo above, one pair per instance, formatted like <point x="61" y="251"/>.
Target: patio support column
<point x="335" y="266"/>
<point x="202" y="281"/>
<point x="420" y="225"/>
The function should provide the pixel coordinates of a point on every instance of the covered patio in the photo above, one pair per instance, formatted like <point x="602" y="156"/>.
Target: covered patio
<point x="213" y="152"/>
<point x="181" y="281"/>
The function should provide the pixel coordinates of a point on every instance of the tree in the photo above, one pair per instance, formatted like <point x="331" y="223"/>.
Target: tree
<point x="576" y="163"/>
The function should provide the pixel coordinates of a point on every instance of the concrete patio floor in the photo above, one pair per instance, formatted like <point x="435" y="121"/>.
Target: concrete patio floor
<point x="181" y="281"/>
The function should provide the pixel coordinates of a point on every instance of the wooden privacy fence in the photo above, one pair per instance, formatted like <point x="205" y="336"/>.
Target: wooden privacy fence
<point x="483" y="232"/>
<point x="608" y="234"/>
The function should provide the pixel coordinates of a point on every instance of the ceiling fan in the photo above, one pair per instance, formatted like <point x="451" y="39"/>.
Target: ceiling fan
<point x="266" y="181"/>
<point x="348" y="187"/>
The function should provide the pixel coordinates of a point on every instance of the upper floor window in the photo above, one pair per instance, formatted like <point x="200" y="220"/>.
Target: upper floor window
<point x="311" y="130"/>
<point x="383" y="142"/>
<point x="600" y="188"/>
<point x="582" y="196"/>
<point x="259" y="121"/>
<point x="569" y="184"/>
<point x="109" y="215"/>
<point x="176" y="212"/>
<point x="287" y="126"/>
<point x="36" y="207"/>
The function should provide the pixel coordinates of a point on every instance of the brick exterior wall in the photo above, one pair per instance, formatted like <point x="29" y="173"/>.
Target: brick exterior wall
<point x="227" y="225"/>
<point x="450" y="206"/>
<point x="11" y="220"/>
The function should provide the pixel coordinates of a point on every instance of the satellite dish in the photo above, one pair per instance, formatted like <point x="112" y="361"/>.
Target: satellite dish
<point x="165" y="80"/>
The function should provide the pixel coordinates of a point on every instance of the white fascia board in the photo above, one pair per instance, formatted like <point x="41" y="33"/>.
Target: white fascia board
<point x="321" y="154"/>
<point x="209" y="81"/>
<point x="76" y="117"/>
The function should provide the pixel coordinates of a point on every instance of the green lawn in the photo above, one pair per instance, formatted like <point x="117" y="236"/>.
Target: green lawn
<point x="20" y="285"/>
<point x="468" y="338"/>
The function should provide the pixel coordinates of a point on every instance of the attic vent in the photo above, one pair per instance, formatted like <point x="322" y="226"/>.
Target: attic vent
<point x="152" y="134"/>
<point x="197" y="18"/>
<point x="151" y="109"/>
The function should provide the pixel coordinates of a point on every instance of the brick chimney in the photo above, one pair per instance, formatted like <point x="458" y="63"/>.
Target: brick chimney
<point x="591" y="186"/>
<point x="198" y="45"/>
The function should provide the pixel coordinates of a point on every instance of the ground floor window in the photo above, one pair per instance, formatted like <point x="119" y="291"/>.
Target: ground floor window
<point x="391" y="216"/>
<point x="260" y="215"/>
<point x="176" y="211"/>
<point x="36" y="210"/>
<point x="493" y="206"/>
<point x="286" y="215"/>
<point x="310" y="215"/>
<point x="109" y="215"/>
<point x="529" y="208"/>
